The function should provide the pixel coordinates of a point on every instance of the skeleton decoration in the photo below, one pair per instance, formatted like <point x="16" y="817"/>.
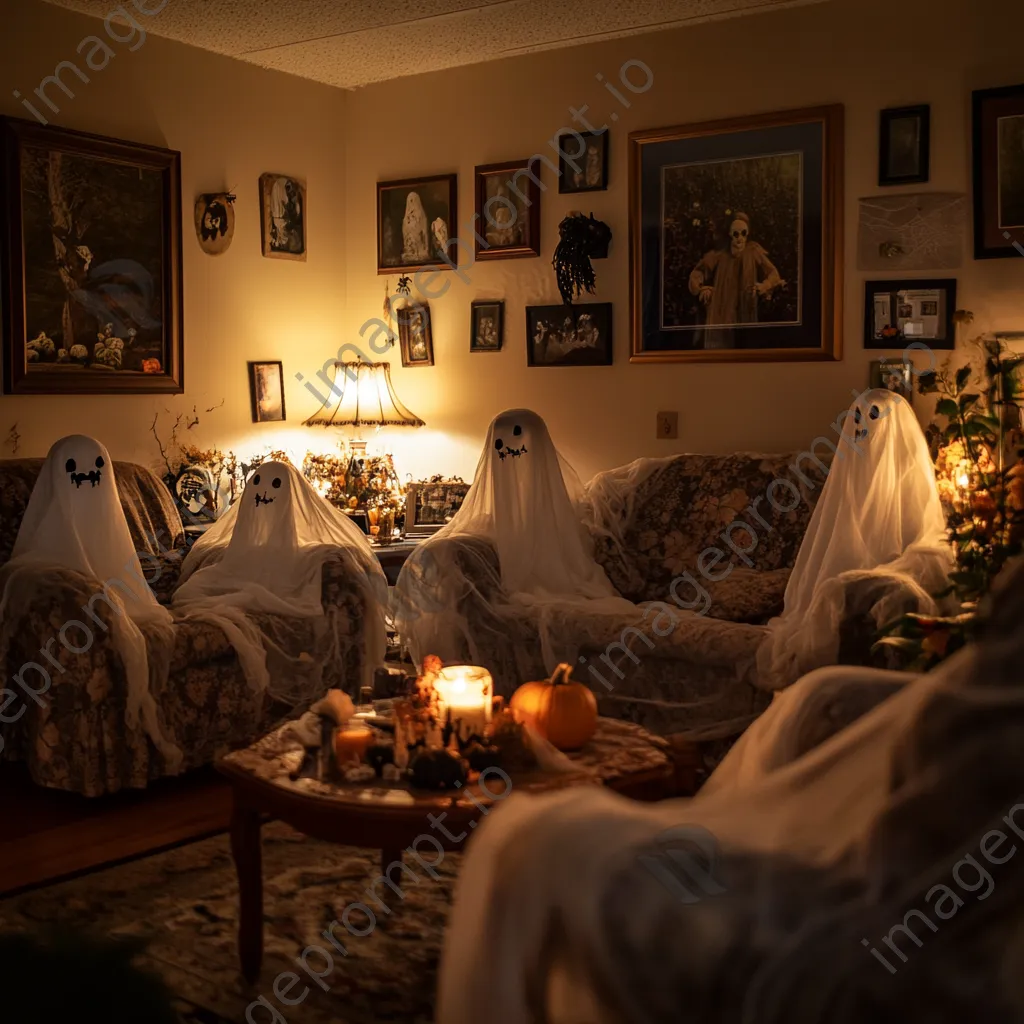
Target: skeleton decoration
<point x="582" y="239"/>
<point x="265" y="555"/>
<point x="70" y="530"/>
<point x="215" y="222"/>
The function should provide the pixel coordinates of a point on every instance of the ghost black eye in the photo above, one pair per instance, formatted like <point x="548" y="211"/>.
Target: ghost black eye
<point x="277" y="482"/>
<point x="99" y="461"/>
<point x="256" y="479"/>
<point x="69" y="466"/>
<point x="874" y="414"/>
<point x="857" y="416"/>
<point x="518" y="430"/>
<point x="498" y="444"/>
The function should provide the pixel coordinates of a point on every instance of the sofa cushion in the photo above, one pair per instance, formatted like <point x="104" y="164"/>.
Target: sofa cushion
<point x="691" y="505"/>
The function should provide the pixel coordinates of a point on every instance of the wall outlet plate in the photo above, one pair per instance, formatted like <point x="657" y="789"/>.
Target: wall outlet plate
<point x="667" y="426"/>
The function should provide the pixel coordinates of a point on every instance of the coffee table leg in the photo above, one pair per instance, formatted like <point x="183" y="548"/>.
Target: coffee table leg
<point x="389" y="857"/>
<point x="246" y="847"/>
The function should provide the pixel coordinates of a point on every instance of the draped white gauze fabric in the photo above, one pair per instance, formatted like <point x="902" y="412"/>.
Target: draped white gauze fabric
<point x="525" y="504"/>
<point x="74" y="521"/>
<point x="262" y="561"/>
<point x="879" y="518"/>
<point x="800" y="718"/>
<point x="806" y="862"/>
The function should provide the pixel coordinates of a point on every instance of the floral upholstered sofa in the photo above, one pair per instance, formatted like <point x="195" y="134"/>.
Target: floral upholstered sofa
<point x="699" y="678"/>
<point x="73" y="736"/>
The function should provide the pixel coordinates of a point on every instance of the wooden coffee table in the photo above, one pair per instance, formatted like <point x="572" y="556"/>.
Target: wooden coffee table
<point x="392" y="817"/>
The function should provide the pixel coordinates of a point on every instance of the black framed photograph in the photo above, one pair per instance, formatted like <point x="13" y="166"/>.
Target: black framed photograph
<point x="998" y="144"/>
<point x="507" y="210"/>
<point x="583" y="162"/>
<point x="579" y="335"/>
<point x="266" y="391"/>
<point x="904" y="145"/>
<point x="736" y="239"/>
<point x="414" y="334"/>
<point x="90" y="264"/>
<point x="416" y="223"/>
<point x="487" y="326"/>
<point x="898" y="313"/>
<point x="283" y="217"/>
<point x="895" y="375"/>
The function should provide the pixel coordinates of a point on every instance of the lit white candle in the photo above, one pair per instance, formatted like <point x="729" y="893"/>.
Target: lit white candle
<point x="467" y="692"/>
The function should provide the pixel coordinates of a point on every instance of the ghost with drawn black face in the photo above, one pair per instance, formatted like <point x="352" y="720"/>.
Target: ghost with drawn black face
<point x="524" y="504"/>
<point x="74" y="522"/>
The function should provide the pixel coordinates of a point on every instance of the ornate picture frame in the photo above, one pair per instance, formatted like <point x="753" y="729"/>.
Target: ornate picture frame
<point x="736" y="239"/>
<point x="90" y="264"/>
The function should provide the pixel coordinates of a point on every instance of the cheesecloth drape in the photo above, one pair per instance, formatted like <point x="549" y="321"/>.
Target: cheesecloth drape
<point x="524" y="505"/>
<point x="879" y="518"/>
<point x="74" y="524"/>
<point x="258" y="569"/>
<point x="795" y="879"/>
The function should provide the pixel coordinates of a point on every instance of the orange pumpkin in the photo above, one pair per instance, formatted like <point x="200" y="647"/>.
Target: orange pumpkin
<point x="562" y="711"/>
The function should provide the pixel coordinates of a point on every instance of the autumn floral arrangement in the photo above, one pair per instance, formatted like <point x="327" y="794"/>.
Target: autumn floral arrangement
<point x="977" y="446"/>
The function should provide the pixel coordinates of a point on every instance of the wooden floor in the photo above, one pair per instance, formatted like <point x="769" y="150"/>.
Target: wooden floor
<point x="46" y="834"/>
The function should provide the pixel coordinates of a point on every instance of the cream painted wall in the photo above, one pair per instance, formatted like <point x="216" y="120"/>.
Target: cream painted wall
<point x="866" y="54"/>
<point x="231" y="121"/>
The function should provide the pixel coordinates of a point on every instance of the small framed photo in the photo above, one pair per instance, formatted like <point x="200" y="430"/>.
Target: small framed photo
<point x="508" y="210"/>
<point x="415" y="222"/>
<point x="904" y="145"/>
<point x="414" y="334"/>
<point x="998" y="155"/>
<point x="283" y="213"/>
<point x="431" y="504"/>
<point x="569" y="335"/>
<point x="266" y="390"/>
<point x="487" y="326"/>
<point x="894" y="375"/>
<point x="583" y="162"/>
<point x="899" y="313"/>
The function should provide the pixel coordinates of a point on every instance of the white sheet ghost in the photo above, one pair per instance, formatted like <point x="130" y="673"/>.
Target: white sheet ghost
<point x="415" y="234"/>
<point x="74" y="520"/>
<point x="524" y="503"/>
<point x="265" y="554"/>
<point x="879" y="513"/>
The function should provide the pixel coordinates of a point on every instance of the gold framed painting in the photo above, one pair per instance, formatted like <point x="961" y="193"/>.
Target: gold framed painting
<point x="90" y="264"/>
<point x="735" y="239"/>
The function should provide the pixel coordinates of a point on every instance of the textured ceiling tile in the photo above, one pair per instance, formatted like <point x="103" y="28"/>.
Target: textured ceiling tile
<point x="348" y="43"/>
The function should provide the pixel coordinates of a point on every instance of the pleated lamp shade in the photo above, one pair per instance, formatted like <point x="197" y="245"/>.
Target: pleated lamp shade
<point x="363" y="396"/>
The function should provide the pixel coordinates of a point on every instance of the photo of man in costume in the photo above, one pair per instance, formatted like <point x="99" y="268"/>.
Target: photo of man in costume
<point x="728" y="282"/>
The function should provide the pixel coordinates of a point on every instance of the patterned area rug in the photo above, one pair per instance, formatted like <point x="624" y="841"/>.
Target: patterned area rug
<point x="185" y="904"/>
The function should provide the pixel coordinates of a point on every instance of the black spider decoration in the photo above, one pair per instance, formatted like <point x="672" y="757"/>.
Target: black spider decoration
<point x="582" y="239"/>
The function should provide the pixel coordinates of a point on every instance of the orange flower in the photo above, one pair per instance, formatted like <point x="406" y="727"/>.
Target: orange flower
<point x="151" y="366"/>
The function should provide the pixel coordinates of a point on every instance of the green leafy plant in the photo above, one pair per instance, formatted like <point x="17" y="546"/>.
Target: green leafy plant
<point x="977" y="450"/>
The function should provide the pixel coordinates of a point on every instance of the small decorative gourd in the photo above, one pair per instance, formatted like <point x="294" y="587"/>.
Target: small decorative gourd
<point x="564" y="712"/>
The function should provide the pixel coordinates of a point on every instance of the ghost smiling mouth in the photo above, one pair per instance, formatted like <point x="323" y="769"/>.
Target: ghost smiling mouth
<point x="262" y="499"/>
<point x="92" y="477"/>
<point x="513" y="452"/>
